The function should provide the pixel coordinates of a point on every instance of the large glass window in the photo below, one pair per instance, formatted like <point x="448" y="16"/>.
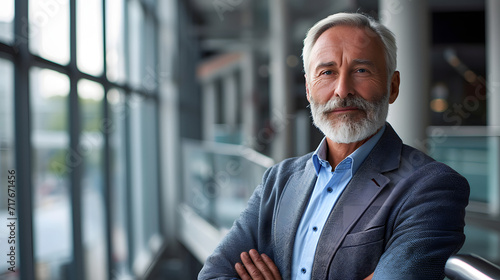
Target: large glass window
<point x="6" y="161"/>
<point x="6" y="114"/>
<point x="144" y="180"/>
<point x="91" y="96"/>
<point x="89" y="36"/>
<point x="140" y="243"/>
<point x="149" y="77"/>
<point x="49" y="29"/>
<point x="118" y="169"/>
<point x="53" y="162"/>
<point x="115" y="41"/>
<point x="150" y="179"/>
<point x="136" y="42"/>
<point x="6" y="21"/>
<point x="92" y="155"/>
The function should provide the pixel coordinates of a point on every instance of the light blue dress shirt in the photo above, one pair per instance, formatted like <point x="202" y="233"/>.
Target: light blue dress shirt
<point x="329" y="186"/>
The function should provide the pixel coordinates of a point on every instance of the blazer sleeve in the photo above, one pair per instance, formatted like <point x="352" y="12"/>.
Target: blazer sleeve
<point x="241" y="237"/>
<point x="428" y="225"/>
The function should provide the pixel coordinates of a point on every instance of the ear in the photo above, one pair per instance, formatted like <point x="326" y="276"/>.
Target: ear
<point x="394" y="92"/>
<point x="307" y="89"/>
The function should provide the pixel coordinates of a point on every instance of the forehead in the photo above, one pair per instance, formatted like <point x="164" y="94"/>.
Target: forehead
<point x="353" y="42"/>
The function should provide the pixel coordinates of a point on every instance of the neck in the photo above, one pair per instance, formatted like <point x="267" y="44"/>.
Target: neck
<point x="337" y="152"/>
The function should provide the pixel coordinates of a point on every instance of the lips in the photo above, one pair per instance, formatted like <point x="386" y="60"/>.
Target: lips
<point x="343" y="110"/>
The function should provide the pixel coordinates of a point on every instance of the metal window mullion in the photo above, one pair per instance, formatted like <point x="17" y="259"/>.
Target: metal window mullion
<point x="157" y="126"/>
<point x="7" y="50"/>
<point x="143" y="63"/>
<point x="128" y="187"/>
<point x="77" y="267"/>
<point x="47" y="64"/>
<point x="23" y="143"/>
<point x="128" y="157"/>
<point x="108" y="191"/>
<point x="159" y="164"/>
<point x="106" y="168"/>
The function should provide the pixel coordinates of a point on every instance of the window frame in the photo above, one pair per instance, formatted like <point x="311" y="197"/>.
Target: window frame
<point x="18" y="53"/>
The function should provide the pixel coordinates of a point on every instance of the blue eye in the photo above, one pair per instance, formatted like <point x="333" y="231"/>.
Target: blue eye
<point x="361" y="70"/>
<point x="328" y="72"/>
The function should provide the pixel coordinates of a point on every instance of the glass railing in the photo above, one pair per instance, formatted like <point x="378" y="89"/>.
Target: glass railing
<point x="468" y="155"/>
<point x="219" y="179"/>
<point x="474" y="152"/>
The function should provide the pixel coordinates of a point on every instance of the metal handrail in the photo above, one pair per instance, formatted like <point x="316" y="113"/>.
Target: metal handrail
<point x="470" y="267"/>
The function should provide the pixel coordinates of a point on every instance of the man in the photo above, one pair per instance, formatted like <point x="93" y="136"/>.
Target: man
<point x="363" y="205"/>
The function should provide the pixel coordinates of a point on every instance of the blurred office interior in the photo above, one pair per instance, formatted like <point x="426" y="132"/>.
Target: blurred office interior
<point x="138" y="129"/>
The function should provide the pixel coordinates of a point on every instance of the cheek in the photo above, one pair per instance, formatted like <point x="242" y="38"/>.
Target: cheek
<point x="320" y="89"/>
<point x="371" y="91"/>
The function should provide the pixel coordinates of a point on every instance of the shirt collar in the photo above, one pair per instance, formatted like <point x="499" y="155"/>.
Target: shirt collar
<point x="353" y="161"/>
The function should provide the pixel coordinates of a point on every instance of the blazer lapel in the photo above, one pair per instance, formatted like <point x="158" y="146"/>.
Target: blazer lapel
<point x="293" y="202"/>
<point x="353" y="202"/>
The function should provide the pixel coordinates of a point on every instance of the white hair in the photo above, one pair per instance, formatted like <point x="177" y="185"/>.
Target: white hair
<point x="355" y="20"/>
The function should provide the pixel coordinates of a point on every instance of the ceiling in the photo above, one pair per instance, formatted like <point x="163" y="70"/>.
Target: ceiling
<point x="227" y="24"/>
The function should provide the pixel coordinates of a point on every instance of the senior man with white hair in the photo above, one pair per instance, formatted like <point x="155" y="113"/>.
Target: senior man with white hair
<point x="363" y="205"/>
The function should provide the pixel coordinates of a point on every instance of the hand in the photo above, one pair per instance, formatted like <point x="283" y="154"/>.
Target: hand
<point x="257" y="267"/>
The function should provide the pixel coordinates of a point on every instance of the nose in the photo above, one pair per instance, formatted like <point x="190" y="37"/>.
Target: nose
<point x="343" y="86"/>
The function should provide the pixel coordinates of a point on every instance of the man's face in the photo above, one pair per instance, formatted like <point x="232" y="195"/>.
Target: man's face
<point x="347" y="84"/>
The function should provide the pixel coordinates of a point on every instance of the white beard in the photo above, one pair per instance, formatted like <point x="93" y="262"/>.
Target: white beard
<point x="346" y="128"/>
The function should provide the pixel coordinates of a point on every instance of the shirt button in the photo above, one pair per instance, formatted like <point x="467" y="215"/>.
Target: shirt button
<point x="329" y="190"/>
<point x="315" y="228"/>
<point x="303" y="270"/>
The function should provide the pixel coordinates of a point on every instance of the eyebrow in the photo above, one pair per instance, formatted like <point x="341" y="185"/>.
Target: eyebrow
<point x="363" y="62"/>
<point x="325" y="64"/>
<point x="357" y="61"/>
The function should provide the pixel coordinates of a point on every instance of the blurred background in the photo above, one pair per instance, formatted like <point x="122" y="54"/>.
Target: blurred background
<point x="138" y="129"/>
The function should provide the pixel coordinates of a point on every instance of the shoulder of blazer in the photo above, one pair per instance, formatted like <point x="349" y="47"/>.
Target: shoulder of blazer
<point x="288" y="167"/>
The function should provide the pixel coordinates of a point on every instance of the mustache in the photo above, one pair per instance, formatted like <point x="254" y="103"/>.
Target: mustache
<point x="339" y="103"/>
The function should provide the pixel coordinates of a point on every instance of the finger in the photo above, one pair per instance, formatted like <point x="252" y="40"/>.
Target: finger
<point x="262" y="266"/>
<point x="242" y="272"/>
<point x="250" y="267"/>
<point x="369" y="276"/>
<point x="274" y="269"/>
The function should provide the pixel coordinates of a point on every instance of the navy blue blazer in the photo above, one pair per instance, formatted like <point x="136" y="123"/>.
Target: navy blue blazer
<point x="401" y="215"/>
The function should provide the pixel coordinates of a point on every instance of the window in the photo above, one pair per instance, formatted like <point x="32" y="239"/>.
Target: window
<point x="84" y="123"/>
<point x="115" y="41"/>
<point x="7" y="21"/>
<point x="53" y="163"/>
<point x="89" y="36"/>
<point x="49" y="30"/>
<point x="90" y="97"/>
<point x="6" y="156"/>
<point x="119" y="187"/>
<point x="144" y="180"/>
